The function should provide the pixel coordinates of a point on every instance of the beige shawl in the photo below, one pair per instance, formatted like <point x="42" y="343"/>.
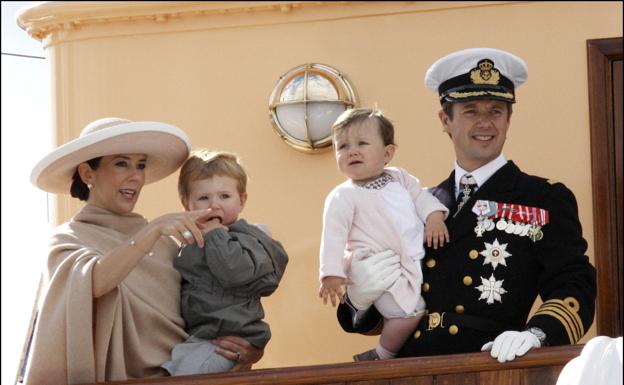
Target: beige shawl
<point x="127" y="333"/>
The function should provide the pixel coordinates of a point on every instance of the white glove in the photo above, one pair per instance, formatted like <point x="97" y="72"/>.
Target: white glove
<point x="600" y="362"/>
<point x="371" y="275"/>
<point x="511" y="344"/>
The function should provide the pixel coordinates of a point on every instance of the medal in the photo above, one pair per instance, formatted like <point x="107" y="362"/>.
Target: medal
<point x="535" y="233"/>
<point x="491" y="290"/>
<point x="502" y="211"/>
<point x="479" y="229"/>
<point x="464" y="198"/>
<point x="538" y="235"/>
<point x="510" y="228"/>
<point x="482" y="208"/>
<point x="519" y="228"/>
<point x="539" y="218"/>
<point x="495" y="254"/>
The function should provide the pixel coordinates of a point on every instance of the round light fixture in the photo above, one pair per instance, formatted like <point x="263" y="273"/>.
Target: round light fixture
<point x="305" y="103"/>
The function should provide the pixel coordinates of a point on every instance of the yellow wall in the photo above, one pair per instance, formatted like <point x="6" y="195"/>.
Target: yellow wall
<point x="209" y="68"/>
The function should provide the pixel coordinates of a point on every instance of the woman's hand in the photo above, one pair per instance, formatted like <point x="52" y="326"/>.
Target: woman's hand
<point x="113" y="267"/>
<point x="183" y="226"/>
<point x="239" y="350"/>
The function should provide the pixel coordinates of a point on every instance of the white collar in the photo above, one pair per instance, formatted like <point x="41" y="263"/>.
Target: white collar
<point x="482" y="174"/>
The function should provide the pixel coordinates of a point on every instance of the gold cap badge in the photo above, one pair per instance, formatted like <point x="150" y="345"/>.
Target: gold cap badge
<point x="485" y="73"/>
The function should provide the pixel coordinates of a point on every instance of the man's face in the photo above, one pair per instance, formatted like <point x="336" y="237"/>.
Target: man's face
<point x="478" y="131"/>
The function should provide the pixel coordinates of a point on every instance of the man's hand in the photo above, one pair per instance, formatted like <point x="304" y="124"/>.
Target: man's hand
<point x="371" y="275"/>
<point x="511" y="344"/>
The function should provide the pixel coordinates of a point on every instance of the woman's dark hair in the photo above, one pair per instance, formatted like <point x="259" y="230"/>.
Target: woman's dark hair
<point x="78" y="188"/>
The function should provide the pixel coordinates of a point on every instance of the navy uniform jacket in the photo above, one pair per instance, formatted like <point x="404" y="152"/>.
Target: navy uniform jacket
<point x="471" y="299"/>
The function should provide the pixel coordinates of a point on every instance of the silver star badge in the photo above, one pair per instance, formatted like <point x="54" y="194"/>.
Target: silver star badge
<point x="491" y="290"/>
<point x="495" y="253"/>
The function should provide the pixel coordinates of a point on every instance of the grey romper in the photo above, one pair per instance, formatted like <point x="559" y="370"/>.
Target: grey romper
<point x="220" y="294"/>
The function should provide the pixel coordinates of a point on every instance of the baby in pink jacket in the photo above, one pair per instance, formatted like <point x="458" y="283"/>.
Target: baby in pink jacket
<point x="378" y="208"/>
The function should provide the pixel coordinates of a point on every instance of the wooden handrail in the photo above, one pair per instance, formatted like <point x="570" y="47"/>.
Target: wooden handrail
<point x="374" y="370"/>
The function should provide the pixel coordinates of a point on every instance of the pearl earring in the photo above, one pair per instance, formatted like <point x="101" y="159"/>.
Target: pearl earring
<point x="89" y="185"/>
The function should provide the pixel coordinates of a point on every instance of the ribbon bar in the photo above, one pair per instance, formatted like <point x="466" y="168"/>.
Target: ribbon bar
<point x="512" y="212"/>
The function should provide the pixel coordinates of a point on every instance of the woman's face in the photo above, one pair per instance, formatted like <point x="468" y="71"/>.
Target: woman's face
<point x="117" y="182"/>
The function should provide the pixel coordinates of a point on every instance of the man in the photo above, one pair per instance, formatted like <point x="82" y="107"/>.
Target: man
<point x="513" y="236"/>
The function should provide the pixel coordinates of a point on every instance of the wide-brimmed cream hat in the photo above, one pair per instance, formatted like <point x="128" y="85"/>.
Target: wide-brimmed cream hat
<point x="165" y="146"/>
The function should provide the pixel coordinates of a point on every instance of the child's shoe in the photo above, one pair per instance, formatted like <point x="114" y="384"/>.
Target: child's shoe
<point x="369" y="355"/>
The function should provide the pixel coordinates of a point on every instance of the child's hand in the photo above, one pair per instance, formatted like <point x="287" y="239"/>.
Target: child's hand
<point x="333" y="287"/>
<point x="210" y="225"/>
<point x="436" y="232"/>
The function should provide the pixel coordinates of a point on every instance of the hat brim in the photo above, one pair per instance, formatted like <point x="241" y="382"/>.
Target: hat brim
<point x="165" y="146"/>
<point x="468" y="94"/>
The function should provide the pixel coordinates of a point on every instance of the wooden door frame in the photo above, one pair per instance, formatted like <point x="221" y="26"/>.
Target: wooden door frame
<point x="600" y="55"/>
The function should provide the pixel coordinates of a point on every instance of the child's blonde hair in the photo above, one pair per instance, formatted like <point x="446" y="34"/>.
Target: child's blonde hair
<point x="358" y="115"/>
<point x="204" y="164"/>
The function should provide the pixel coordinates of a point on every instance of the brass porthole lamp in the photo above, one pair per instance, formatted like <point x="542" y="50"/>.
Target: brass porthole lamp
<point x="305" y="102"/>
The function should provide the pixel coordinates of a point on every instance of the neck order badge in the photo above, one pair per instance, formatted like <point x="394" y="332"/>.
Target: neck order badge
<point x="467" y="186"/>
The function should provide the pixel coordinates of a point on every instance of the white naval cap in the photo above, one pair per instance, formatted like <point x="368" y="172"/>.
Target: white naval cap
<point x="477" y="73"/>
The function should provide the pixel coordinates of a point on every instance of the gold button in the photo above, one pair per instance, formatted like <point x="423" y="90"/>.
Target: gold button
<point x="417" y="334"/>
<point x="453" y="329"/>
<point x="473" y="254"/>
<point x="459" y="309"/>
<point x="467" y="280"/>
<point x="425" y="287"/>
<point x="431" y="263"/>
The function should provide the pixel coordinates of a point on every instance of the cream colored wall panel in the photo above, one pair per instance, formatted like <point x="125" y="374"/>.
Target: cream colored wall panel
<point x="209" y="68"/>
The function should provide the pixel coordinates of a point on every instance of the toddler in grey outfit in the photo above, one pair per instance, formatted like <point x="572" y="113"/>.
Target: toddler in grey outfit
<point x="222" y="282"/>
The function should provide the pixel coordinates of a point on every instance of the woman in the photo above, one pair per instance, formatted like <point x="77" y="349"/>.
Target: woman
<point x="111" y="307"/>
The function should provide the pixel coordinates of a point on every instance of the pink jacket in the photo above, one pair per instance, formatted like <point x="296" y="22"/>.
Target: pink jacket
<point x="355" y="217"/>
